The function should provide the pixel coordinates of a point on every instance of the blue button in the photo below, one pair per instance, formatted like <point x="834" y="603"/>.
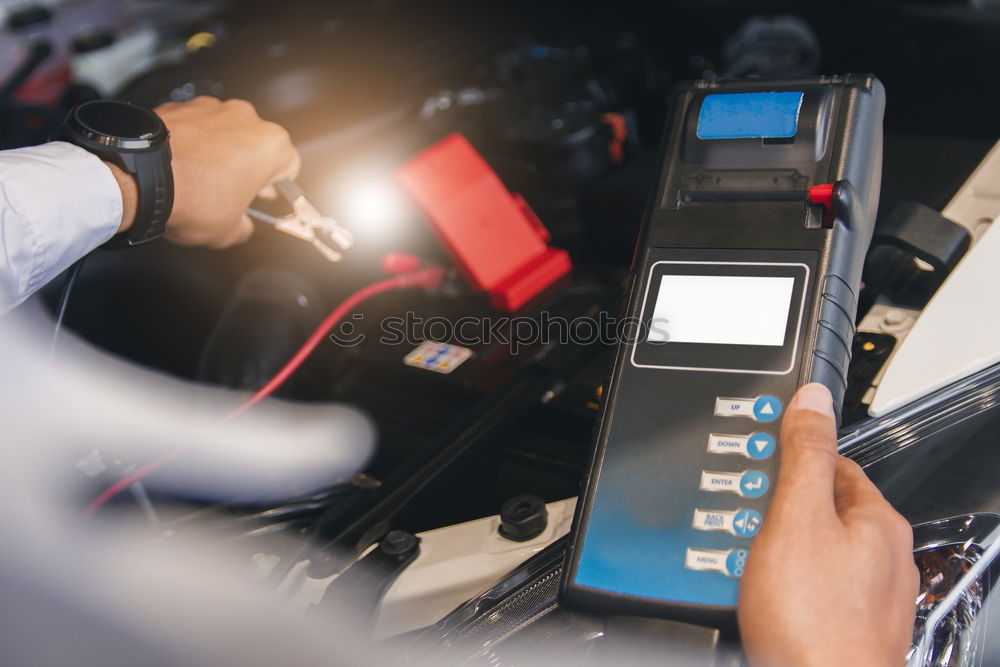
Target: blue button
<point x="736" y="561"/>
<point x="767" y="408"/>
<point x="760" y="445"/>
<point x="746" y="523"/>
<point x="753" y="484"/>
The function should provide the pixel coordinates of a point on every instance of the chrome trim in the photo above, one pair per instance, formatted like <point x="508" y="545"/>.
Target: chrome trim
<point x="875" y="440"/>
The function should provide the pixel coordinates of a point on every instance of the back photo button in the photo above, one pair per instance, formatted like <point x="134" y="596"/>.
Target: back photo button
<point x="741" y="523"/>
<point x="746" y="523"/>
<point x="766" y="408"/>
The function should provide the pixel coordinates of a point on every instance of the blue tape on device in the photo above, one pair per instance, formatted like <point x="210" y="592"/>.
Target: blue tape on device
<point x="749" y="115"/>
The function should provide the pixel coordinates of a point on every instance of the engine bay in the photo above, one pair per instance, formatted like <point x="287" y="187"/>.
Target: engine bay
<point x="566" y="104"/>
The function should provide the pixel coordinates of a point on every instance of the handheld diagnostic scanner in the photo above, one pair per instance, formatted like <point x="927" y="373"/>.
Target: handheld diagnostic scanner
<point x="743" y="287"/>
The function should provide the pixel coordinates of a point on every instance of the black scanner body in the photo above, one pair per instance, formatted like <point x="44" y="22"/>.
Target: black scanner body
<point x="743" y="286"/>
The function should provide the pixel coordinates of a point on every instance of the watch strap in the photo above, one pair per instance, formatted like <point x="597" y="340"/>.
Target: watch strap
<point x="154" y="187"/>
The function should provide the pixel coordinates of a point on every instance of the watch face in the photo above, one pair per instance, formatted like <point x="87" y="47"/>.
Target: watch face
<point x="119" y="123"/>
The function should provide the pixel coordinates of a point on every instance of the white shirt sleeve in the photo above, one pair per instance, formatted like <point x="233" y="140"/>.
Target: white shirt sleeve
<point x="57" y="203"/>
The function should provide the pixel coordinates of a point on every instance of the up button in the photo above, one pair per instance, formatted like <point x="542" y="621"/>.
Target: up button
<point x="764" y="408"/>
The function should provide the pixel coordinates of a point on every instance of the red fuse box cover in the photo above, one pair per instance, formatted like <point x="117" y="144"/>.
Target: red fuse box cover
<point x="492" y="235"/>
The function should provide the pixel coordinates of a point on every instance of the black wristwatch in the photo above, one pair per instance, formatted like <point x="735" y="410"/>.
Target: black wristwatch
<point x="136" y="140"/>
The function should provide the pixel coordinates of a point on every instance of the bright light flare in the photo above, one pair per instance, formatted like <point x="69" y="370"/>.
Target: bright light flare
<point x="374" y="204"/>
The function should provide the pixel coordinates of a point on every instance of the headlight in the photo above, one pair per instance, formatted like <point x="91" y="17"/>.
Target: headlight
<point x="958" y="563"/>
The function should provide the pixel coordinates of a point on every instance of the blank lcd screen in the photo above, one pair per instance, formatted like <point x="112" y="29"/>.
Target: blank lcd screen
<point x="721" y="310"/>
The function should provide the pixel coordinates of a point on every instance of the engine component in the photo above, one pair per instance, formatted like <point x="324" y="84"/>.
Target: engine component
<point x="523" y="517"/>
<point x="478" y="631"/>
<point x="914" y="231"/>
<point x="505" y="253"/>
<point x="771" y="47"/>
<point x="355" y="595"/>
<point x="268" y="316"/>
<point x="869" y="352"/>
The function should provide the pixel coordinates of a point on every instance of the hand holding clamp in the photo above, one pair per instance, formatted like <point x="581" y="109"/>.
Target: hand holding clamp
<point x="305" y="222"/>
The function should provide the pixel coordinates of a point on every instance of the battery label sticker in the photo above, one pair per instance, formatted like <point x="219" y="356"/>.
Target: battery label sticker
<point x="437" y="357"/>
<point x="749" y="115"/>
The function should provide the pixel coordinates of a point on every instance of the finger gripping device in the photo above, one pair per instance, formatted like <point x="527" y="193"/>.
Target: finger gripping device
<point x="743" y="287"/>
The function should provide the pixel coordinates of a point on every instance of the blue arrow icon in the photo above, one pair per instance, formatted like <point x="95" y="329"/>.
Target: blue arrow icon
<point x="760" y="445"/>
<point x="746" y="523"/>
<point x="767" y="408"/>
<point x="753" y="484"/>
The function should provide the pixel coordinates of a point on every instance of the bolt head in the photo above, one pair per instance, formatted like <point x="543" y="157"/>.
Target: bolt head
<point x="523" y="518"/>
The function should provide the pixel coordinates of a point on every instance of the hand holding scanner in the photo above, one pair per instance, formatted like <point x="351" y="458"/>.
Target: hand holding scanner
<point x="743" y="287"/>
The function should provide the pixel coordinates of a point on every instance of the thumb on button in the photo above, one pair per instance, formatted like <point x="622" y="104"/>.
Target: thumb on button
<point x="808" y="454"/>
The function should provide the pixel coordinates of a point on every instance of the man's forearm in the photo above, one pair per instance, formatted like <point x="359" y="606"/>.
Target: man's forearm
<point x="58" y="202"/>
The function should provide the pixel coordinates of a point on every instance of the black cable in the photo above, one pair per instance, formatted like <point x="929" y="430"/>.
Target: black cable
<point x="67" y="288"/>
<point x="232" y="516"/>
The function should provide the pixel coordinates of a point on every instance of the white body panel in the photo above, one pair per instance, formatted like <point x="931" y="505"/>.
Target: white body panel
<point x="455" y="563"/>
<point x="958" y="332"/>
